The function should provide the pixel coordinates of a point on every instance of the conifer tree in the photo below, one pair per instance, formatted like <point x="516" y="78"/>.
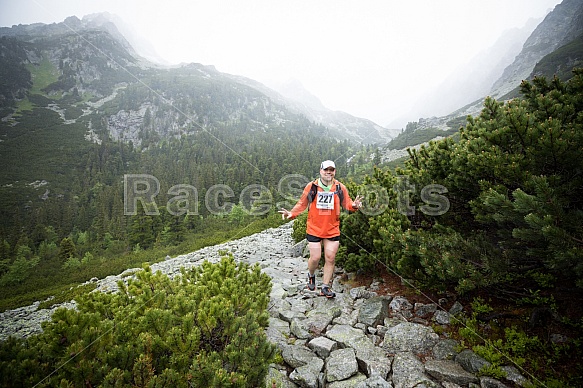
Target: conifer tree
<point x="67" y="249"/>
<point x="21" y="267"/>
<point x="532" y="194"/>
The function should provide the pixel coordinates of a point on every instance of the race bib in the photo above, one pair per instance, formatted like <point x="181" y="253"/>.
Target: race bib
<point x="325" y="200"/>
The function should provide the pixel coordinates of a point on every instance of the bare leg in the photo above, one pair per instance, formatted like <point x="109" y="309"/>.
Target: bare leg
<point x="330" y="249"/>
<point x="315" y="254"/>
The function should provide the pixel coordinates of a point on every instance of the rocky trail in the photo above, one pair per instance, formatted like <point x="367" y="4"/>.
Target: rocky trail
<point x="361" y="338"/>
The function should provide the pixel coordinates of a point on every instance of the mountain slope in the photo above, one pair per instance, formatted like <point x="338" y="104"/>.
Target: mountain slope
<point x="475" y="79"/>
<point x="85" y="67"/>
<point x="558" y="28"/>
<point x="297" y="99"/>
<point x="553" y="48"/>
<point x="79" y="109"/>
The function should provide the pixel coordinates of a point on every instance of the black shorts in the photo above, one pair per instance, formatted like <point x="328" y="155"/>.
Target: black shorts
<point x="311" y="238"/>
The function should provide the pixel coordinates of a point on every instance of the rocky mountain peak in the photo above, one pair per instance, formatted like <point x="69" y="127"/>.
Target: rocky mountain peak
<point x="558" y="28"/>
<point x="562" y="27"/>
<point x="294" y="90"/>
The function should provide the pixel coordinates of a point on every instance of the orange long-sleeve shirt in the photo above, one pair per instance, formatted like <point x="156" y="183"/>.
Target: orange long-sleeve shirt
<point x="323" y="223"/>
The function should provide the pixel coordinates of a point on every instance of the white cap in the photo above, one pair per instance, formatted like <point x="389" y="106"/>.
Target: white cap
<point x="326" y="164"/>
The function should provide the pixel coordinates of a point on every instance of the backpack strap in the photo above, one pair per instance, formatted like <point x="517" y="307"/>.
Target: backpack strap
<point x="340" y="194"/>
<point x="312" y="193"/>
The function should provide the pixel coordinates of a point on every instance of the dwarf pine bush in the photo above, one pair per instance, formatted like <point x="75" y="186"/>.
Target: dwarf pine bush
<point x="202" y="328"/>
<point x="514" y="184"/>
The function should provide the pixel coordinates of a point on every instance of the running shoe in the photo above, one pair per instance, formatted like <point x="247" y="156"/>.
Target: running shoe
<point x="327" y="292"/>
<point x="311" y="282"/>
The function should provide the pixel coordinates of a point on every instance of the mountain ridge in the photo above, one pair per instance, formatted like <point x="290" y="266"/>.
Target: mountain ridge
<point x="474" y="79"/>
<point x="343" y="127"/>
<point x="558" y="28"/>
<point x="555" y="33"/>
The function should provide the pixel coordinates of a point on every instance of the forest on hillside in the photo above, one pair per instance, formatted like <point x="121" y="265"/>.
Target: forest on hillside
<point x="79" y="118"/>
<point x="81" y="223"/>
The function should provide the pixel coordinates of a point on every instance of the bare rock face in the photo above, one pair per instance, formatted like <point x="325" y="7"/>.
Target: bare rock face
<point x="558" y="28"/>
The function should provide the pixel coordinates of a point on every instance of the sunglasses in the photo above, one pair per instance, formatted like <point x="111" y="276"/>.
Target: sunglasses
<point x="330" y="169"/>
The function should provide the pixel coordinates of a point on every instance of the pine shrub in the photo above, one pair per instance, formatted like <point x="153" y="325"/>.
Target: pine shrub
<point x="514" y="183"/>
<point x="204" y="327"/>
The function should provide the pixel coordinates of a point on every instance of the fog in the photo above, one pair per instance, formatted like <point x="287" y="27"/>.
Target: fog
<point x="378" y="59"/>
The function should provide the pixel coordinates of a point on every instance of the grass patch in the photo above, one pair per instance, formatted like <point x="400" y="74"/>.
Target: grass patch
<point x="410" y="138"/>
<point x="23" y="105"/>
<point x="36" y="146"/>
<point x="43" y="74"/>
<point x="9" y="302"/>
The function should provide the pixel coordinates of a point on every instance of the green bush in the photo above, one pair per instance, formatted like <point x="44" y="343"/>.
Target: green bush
<point x="375" y="234"/>
<point x="513" y="185"/>
<point x="299" y="227"/>
<point x="203" y="328"/>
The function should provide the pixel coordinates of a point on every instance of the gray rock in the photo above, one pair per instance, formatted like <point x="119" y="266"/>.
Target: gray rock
<point x="307" y="375"/>
<point x="449" y="371"/>
<point x="297" y="250"/>
<point x="349" y="319"/>
<point x="301" y="305"/>
<point x="445" y="349"/>
<point x="361" y="292"/>
<point x="373" y="361"/>
<point x="278" y="331"/>
<point x="277" y="291"/>
<point x="374" y="311"/>
<point x="297" y="355"/>
<point x="488" y="382"/>
<point x="456" y="308"/>
<point x="470" y="361"/>
<point x="322" y="346"/>
<point x="277" y="377"/>
<point x="410" y="337"/>
<point x="341" y="365"/>
<point x="314" y="324"/>
<point x="425" y="310"/>
<point x="447" y="384"/>
<point x="514" y="375"/>
<point x="299" y="329"/>
<point x="290" y="315"/>
<point x="558" y="338"/>
<point x="345" y="335"/>
<point x="375" y="381"/>
<point x="350" y="383"/>
<point x="335" y="307"/>
<point x="441" y="317"/>
<point x="409" y="372"/>
<point x="400" y="304"/>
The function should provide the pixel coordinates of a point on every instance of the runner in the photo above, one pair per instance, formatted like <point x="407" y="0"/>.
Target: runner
<point x="323" y="197"/>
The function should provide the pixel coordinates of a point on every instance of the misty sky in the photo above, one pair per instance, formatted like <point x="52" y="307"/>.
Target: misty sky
<point x="372" y="59"/>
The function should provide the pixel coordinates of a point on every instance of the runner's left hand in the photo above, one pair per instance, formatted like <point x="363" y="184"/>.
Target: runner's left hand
<point x="357" y="203"/>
